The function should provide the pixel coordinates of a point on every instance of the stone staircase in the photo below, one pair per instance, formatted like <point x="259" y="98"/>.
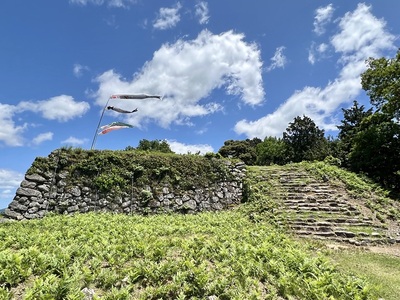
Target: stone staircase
<point x="320" y="209"/>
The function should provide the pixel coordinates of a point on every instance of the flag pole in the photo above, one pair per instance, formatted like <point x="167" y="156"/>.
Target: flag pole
<point x="98" y="125"/>
<point x="120" y="96"/>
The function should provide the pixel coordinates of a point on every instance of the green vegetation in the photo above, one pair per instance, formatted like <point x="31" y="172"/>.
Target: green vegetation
<point x="114" y="171"/>
<point x="381" y="270"/>
<point x="237" y="254"/>
<point x="360" y="187"/>
<point x="164" y="257"/>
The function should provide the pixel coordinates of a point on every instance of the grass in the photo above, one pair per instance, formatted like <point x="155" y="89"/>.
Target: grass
<point x="224" y="255"/>
<point x="381" y="270"/>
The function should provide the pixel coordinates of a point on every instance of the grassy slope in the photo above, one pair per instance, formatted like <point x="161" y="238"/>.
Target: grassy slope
<point x="163" y="257"/>
<point x="382" y="270"/>
<point x="232" y="255"/>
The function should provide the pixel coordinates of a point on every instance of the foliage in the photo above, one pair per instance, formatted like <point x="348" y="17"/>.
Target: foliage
<point x="381" y="81"/>
<point x="304" y="140"/>
<point x="155" y="145"/>
<point x="375" y="143"/>
<point x="113" y="171"/>
<point x="350" y="126"/>
<point x="244" y="150"/>
<point x="271" y="151"/>
<point x="376" y="150"/>
<point x="222" y="255"/>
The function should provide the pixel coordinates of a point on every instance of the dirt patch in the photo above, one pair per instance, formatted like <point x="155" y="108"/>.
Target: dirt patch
<point x="389" y="250"/>
<point x="393" y="250"/>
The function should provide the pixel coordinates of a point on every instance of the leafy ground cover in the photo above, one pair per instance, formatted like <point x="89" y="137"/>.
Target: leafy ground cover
<point x="219" y="255"/>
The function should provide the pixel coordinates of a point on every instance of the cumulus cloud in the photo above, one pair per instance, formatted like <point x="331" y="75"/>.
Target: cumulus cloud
<point x="167" y="17"/>
<point x="323" y="15"/>
<point x="201" y="11"/>
<point x="61" y="108"/>
<point x="74" y="141"/>
<point x="279" y="60"/>
<point x="47" y="136"/>
<point x="111" y="3"/>
<point x="10" y="132"/>
<point x="186" y="72"/>
<point x="360" y="35"/>
<point x="181" y="148"/>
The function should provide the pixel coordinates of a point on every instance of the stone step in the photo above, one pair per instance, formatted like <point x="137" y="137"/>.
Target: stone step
<point x="338" y="230"/>
<point x="323" y="207"/>
<point x="332" y="204"/>
<point x="342" y="234"/>
<point x="314" y="208"/>
<point x="352" y="241"/>
<point x="333" y="211"/>
<point x="292" y="223"/>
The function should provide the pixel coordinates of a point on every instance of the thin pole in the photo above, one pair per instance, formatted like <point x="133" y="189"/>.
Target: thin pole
<point x="98" y="125"/>
<point x="120" y="96"/>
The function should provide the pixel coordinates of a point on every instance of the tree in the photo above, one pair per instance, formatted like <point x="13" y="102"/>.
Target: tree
<point x="155" y="145"/>
<point x="376" y="150"/>
<point x="381" y="81"/>
<point x="244" y="150"/>
<point x="304" y="140"/>
<point x="271" y="151"/>
<point x="350" y="127"/>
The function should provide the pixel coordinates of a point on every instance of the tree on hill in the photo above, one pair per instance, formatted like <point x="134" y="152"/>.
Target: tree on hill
<point x="349" y="127"/>
<point x="376" y="150"/>
<point x="244" y="150"/>
<point x="304" y="140"/>
<point x="376" y="146"/>
<point x="155" y="145"/>
<point x="271" y="151"/>
<point x="381" y="81"/>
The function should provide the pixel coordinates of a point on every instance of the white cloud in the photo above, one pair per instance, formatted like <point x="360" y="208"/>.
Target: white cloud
<point x="61" y="108"/>
<point x="181" y="148"/>
<point x="10" y="179"/>
<point x="9" y="182"/>
<point x="47" y="136"/>
<point x="279" y="60"/>
<point x="361" y="35"/>
<point x="323" y="16"/>
<point x="79" y="69"/>
<point x="167" y="17"/>
<point x="201" y="11"/>
<point x="10" y="133"/>
<point x="316" y="52"/>
<point x="186" y="72"/>
<point x="111" y="3"/>
<point x="74" y="141"/>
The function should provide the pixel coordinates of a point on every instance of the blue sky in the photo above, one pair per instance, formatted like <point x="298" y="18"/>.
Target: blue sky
<point x="226" y="70"/>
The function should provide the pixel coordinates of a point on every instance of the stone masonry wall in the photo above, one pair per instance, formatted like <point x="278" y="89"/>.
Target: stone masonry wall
<point x="46" y="191"/>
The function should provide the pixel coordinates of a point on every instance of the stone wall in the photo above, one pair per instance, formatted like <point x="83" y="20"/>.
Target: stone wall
<point x="46" y="191"/>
